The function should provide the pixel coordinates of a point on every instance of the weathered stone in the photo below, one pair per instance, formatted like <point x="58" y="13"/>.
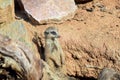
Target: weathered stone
<point x="17" y="31"/>
<point x="6" y="11"/>
<point x="17" y="61"/>
<point x="47" y="11"/>
<point x="108" y="74"/>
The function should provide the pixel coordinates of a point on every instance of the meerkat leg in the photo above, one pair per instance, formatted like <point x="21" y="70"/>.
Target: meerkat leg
<point x="61" y="54"/>
<point x="62" y="57"/>
<point x="55" y="61"/>
<point x="50" y="63"/>
<point x="52" y="60"/>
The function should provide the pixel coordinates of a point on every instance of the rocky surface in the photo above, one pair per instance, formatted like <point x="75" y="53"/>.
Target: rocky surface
<point x="17" y="31"/>
<point x="44" y="11"/>
<point x="90" y="40"/>
<point x="6" y="11"/>
<point x="108" y="74"/>
<point x="17" y="61"/>
<point x="13" y="50"/>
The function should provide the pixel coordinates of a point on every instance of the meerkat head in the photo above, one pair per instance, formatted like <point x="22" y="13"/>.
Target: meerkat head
<point x="51" y="33"/>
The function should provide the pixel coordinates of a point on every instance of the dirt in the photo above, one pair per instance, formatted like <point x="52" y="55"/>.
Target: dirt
<point x="91" y="40"/>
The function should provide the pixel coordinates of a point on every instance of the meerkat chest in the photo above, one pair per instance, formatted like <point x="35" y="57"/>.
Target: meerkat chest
<point x="52" y="47"/>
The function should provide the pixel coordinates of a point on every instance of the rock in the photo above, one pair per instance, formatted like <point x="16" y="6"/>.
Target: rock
<point x="108" y="74"/>
<point x="17" y="31"/>
<point x="48" y="11"/>
<point x="6" y="11"/>
<point x="17" y="61"/>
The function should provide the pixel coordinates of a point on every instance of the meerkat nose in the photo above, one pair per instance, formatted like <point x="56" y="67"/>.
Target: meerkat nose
<point x="58" y="36"/>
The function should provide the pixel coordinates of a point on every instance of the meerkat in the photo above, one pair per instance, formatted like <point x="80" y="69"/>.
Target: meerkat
<point x="108" y="74"/>
<point x="54" y="55"/>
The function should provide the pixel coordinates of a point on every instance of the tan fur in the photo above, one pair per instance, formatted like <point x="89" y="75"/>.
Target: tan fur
<point x="54" y="55"/>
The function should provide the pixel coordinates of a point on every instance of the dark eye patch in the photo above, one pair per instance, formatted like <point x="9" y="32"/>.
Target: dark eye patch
<point x="46" y="32"/>
<point x="53" y="32"/>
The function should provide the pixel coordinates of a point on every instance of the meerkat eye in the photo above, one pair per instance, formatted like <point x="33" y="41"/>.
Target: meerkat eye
<point x="53" y="32"/>
<point x="46" y="32"/>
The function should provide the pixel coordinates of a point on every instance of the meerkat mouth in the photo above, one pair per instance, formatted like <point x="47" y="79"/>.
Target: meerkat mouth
<point x="58" y="36"/>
